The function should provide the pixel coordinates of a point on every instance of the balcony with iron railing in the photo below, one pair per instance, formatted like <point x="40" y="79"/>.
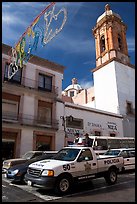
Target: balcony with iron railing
<point x="29" y="120"/>
<point x="24" y="82"/>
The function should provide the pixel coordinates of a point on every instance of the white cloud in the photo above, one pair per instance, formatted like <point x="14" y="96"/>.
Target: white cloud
<point x="70" y="44"/>
<point x="11" y="20"/>
<point x="86" y="84"/>
<point x="131" y="44"/>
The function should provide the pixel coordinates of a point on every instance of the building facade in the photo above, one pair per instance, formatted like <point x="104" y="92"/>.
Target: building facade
<point x="114" y="75"/>
<point x="96" y="122"/>
<point x="36" y="114"/>
<point x="31" y="106"/>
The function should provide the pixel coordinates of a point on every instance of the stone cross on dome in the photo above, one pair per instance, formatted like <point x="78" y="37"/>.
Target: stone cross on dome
<point x="74" y="81"/>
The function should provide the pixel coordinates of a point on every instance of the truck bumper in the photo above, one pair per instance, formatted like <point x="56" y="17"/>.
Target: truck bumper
<point x="46" y="182"/>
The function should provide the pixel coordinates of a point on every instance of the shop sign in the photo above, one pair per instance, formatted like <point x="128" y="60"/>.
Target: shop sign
<point x="97" y="125"/>
<point x="72" y="131"/>
<point x="112" y="126"/>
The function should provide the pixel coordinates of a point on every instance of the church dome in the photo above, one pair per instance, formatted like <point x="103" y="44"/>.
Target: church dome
<point x="73" y="86"/>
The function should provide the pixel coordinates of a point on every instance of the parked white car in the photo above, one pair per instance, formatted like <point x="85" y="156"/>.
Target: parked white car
<point x="127" y="153"/>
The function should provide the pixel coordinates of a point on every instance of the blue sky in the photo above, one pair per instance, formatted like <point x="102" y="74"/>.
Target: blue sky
<point x="74" y="46"/>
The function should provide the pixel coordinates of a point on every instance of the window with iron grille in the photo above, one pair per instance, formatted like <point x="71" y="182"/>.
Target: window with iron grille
<point x="16" y="78"/>
<point x="44" y="112"/>
<point x="45" y="82"/>
<point x="9" y="109"/>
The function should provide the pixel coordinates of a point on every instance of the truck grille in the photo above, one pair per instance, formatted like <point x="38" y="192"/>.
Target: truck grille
<point x="34" y="172"/>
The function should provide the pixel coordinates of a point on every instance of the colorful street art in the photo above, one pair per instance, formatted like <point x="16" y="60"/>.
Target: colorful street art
<point x="41" y="31"/>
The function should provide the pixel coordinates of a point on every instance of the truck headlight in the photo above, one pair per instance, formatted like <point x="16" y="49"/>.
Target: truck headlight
<point x="47" y="173"/>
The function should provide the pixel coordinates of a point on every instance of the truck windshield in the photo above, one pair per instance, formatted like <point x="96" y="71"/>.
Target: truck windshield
<point x="112" y="152"/>
<point x="66" y="154"/>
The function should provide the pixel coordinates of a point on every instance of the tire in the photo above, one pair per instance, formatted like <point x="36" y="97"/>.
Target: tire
<point x="63" y="185"/>
<point x="111" y="176"/>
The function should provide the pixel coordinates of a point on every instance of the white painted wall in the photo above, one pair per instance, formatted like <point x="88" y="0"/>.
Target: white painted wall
<point x="95" y="119"/>
<point x="105" y="88"/>
<point x="114" y="84"/>
<point x="125" y="77"/>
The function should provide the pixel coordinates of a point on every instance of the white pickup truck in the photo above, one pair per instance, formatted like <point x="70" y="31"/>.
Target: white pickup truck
<point x="72" y="165"/>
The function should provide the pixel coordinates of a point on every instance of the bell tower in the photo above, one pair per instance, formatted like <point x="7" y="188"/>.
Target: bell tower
<point x="110" y="38"/>
<point x="114" y="75"/>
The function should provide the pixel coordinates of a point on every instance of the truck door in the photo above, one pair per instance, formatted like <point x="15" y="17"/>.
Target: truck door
<point x="129" y="159"/>
<point x="86" y="165"/>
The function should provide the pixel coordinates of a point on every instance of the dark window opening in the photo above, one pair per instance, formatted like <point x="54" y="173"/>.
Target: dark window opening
<point x="97" y="133"/>
<point x="74" y="123"/>
<point x="85" y="155"/>
<point x="119" y="42"/>
<point x="45" y="83"/>
<point x="16" y="78"/>
<point x="100" y="144"/>
<point x="112" y="134"/>
<point x="129" y="108"/>
<point x="102" y="43"/>
<point x="71" y="93"/>
<point x="7" y="150"/>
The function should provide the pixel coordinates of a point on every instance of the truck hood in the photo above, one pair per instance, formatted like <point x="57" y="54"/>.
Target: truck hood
<point x="48" y="164"/>
<point x="14" y="160"/>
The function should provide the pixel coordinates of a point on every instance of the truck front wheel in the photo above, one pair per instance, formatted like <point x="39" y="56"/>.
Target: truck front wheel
<point x="111" y="176"/>
<point x="63" y="185"/>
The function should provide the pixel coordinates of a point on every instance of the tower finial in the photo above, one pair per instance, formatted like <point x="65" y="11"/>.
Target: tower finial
<point x="74" y="81"/>
<point x="107" y="7"/>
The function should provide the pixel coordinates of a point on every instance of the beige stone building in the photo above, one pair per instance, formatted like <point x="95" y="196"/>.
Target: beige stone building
<point x="31" y="106"/>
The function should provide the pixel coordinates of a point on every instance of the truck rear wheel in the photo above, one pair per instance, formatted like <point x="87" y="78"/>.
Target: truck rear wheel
<point x="63" y="185"/>
<point x="111" y="176"/>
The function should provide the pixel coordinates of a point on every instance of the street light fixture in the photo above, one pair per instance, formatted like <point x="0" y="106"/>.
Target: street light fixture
<point x="70" y="118"/>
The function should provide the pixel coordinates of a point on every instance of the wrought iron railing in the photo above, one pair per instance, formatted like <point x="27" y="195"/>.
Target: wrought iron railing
<point x="32" y="84"/>
<point x="25" y="119"/>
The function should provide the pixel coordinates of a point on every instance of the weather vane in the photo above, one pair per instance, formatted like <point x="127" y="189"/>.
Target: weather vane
<point x="33" y="35"/>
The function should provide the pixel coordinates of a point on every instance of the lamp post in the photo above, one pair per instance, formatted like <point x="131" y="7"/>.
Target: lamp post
<point x="70" y="118"/>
